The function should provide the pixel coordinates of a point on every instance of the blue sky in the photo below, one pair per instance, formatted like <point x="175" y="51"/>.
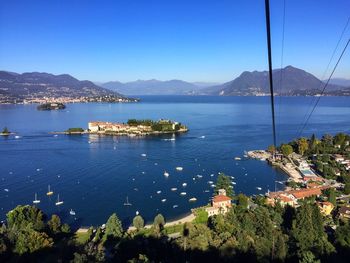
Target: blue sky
<point x="210" y="41"/>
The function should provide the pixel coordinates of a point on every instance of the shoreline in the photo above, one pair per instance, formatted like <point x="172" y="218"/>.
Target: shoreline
<point x="123" y="133"/>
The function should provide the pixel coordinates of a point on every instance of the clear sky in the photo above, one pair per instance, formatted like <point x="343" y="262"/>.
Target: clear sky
<point x="191" y="40"/>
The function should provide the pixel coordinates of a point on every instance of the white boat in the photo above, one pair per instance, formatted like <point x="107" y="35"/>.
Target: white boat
<point x="233" y="182"/>
<point x="158" y="192"/>
<point x="184" y="184"/>
<point x="212" y="186"/>
<point x="183" y="193"/>
<point x="166" y="174"/>
<point x="193" y="199"/>
<point x="202" y="137"/>
<point x="58" y="200"/>
<point x="199" y="175"/>
<point x="36" y="201"/>
<point x="143" y="155"/>
<point x="173" y="189"/>
<point x="179" y="168"/>
<point x="72" y="212"/>
<point x="163" y="200"/>
<point x="127" y="202"/>
<point x="6" y="190"/>
<point x="238" y="158"/>
<point x="137" y="213"/>
<point x="259" y="188"/>
<point x="55" y="135"/>
<point x="206" y="191"/>
<point x="174" y="206"/>
<point x="17" y="137"/>
<point x="210" y="182"/>
<point x="49" y="192"/>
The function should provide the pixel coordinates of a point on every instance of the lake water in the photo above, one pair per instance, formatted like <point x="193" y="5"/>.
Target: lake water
<point x="93" y="175"/>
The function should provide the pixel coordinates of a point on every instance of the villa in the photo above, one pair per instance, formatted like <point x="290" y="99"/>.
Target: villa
<point x="326" y="207"/>
<point x="220" y="204"/>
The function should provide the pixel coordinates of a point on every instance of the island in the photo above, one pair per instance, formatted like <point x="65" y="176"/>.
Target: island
<point x="51" y="106"/>
<point x="5" y="132"/>
<point x="133" y="127"/>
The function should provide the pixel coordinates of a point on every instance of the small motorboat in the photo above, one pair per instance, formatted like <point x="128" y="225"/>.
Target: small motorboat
<point x="174" y="206"/>
<point x="183" y="193"/>
<point x="6" y="190"/>
<point x="173" y="189"/>
<point x="193" y="199"/>
<point x="166" y="174"/>
<point x="184" y="184"/>
<point x="163" y="200"/>
<point x="72" y="212"/>
<point x="158" y="192"/>
<point x="143" y="155"/>
<point x="179" y="168"/>
<point x="259" y="188"/>
<point x="210" y="182"/>
<point x="238" y="158"/>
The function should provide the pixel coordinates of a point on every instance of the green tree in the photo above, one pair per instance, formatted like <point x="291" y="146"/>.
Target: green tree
<point x="342" y="236"/>
<point x="138" y="222"/>
<point x="347" y="188"/>
<point x="308" y="257"/>
<point x="114" y="228"/>
<point x="303" y="146"/>
<point x="29" y="240"/>
<point x="26" y="216"/>
<point x="271" y="149"/>
<point x="54" y="224"/>
<point x="224" y="182"/>
<point x="339" y="139"/>
<point x="330" y="193"/>
<point x="158" y="223"/>
<point x="286" y="149"/>
<point x="242" y="201"/>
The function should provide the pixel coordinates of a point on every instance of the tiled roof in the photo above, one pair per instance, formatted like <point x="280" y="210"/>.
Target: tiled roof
<point x="302" y="193"/>
<point x="221" y="198"/>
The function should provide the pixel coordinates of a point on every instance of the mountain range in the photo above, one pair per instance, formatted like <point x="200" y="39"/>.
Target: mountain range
<point x="156" y="87"/>
<point x="289" y="81"/>
<point x="38" y="85"/>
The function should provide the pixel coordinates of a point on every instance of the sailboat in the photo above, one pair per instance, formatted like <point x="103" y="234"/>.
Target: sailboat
<point x="49" y="192"/>
<point x="127" y="202"/>
<point x="58" y="200"/>
<point x="36" y="201"/>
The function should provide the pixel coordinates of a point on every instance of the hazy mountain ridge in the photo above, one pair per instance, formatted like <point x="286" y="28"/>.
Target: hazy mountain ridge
<point x="37" y="84"/>
<point x="153" y="87"/>
<point x="295" y="82"/>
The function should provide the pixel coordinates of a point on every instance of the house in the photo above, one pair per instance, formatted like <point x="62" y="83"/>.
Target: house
<point x="344" y="212"/>
<point x="325" y="207"/>
<point x="338" y="157"/>
<point x="220" y="204"/>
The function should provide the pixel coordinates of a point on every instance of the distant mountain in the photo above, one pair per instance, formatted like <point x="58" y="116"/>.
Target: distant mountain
<point x="294" y="82"/>
<point x="40" y="85"/>
<point x="153" y="87"/>
<point x="340" y="82"/>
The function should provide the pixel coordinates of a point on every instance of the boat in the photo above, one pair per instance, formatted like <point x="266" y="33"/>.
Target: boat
<point x="6" y="190"/>
<point x="158" y="192"/>
<point x="210" y="182"/>
<point x="259" y="188"/>
<point x="58" y="200"/>
<point x="163" y="200"/>
<point x="137" y="212"/>
<point x="174" y="206"/>
<point x="212" y="175"/>
<point x="206" y="191"/>
<point x="49" y="192"/>
<point x="72" y="212"/>
<point x="173" y="189"/>
<point x="199" y="176"/>
<point x="184" y="184"/>
<point x="166" y="174"/>
<point x="143" y="155"/>
<point x="193" y="199"/>
<point x="233" y="182"/>
<point x="179" y="168"/>
<point x="36" y="201"/>
<point x="212" y="186"/>
<point x="183" y="193"/>
<point x="238" y="158"/>
<point x="17" y="137"/>
<point x="127" y="202"/>
<point x="202" y="137"/>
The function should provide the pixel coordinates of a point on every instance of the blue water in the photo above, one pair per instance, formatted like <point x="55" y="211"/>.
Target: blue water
<point x="95" y="178"/>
